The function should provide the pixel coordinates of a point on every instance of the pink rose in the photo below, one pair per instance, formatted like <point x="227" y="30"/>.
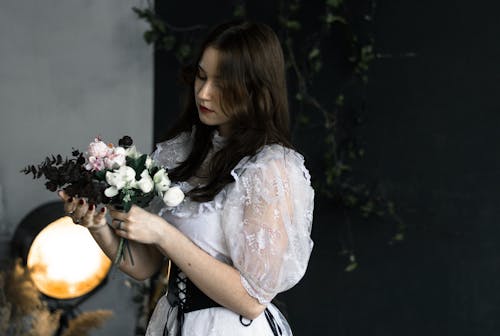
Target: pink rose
<point x="116" y="158"/>
<point x="95" y="164"/>
<point x="98" y="149"/>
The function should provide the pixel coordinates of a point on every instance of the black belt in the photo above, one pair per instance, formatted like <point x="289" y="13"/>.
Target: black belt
<point x="183" y="293"/>
<point x="193" y="298"/>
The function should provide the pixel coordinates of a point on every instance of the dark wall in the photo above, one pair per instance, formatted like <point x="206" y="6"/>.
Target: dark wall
<point x="432" y="140"/>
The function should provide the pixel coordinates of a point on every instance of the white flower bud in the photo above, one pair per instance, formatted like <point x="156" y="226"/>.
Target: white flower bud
<point x="162" y="182"/>
<point x="121" y="178"/>
<point x="173" y="196"/>
<point x="111" y="191"/>
<point x="146" y="182"/>
<point x="132" y="152"/>
<point x="149" y="162"/>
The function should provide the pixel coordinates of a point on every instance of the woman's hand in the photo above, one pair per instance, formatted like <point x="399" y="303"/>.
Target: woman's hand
<point x="83" y="213"/>
<point x="137" y="224"/>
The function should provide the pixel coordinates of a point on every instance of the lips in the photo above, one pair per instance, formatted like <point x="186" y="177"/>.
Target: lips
<point x="203" y="109"/>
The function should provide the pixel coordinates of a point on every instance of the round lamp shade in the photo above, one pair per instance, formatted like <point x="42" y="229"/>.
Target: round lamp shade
<point x="65" y="262"/>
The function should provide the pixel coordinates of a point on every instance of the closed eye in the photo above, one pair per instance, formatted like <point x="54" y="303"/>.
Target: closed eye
<point x="200" y="74"/>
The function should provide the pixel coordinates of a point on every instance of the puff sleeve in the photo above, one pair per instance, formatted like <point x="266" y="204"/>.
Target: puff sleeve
<point x="169" y="154"/>
<point x="266" y="220"/>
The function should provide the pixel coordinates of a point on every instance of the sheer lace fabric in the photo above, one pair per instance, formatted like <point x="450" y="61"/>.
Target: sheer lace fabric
<point x="260" y="224"/>
<point x="267" y="215"/>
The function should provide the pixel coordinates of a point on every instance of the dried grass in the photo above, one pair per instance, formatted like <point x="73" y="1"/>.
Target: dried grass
<point x="5" y="313"/>
<point x="44" y="322"/>
<point x="23" y="313"/>
<point x="20" y="290"/>
<point x="83" y="323"/>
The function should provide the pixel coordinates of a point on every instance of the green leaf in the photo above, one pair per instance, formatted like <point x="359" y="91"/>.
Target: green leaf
<point x="184" y="51"/>
<point x="351" y="200"/>
<point x="149" y="36"/>
<point x="330" y="139"/>
<point x="317" y="65"/>
<point x="158" y="25"/>
<point x="390" y="208"/>
<point x="314" y="53"/>
<point x="303" y="119"/>
<point x="168" y="42"/>
<point x="239" y="11"/>
<point x="153" y="171"/>
<point x="399" y="236"/>
<point x="367" y="209"/>
<point x="138" y="164"/>
<point x="294" y="7"/>
<point x="293" y="24"/>
<point x="340" y="100"/>
<point x="101" y="175"/>
<point x="330" y="19"/>
<point x="351" y="267"/>
<point x="144" y="199"/>
<point x="334" y="3"/>
<point x="141" y="13"/>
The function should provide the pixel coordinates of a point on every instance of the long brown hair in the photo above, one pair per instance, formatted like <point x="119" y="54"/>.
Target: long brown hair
<point x="253" y="93"/>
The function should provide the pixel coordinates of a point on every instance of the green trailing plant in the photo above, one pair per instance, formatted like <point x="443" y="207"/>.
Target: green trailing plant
<point x="165" y="36"/>
<point x="347" y="27"/>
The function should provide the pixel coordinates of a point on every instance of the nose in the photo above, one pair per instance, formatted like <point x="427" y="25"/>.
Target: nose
<point x="205" y="91"/>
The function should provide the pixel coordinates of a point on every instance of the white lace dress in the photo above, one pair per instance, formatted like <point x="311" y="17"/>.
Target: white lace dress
<point x="260" y="224"/>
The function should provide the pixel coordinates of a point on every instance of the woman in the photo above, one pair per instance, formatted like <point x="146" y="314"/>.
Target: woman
<point x="242" y="234"/>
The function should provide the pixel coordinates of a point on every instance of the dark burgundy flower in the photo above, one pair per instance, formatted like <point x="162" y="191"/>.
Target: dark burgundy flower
<point x="125" y="142"/>
<point x="51" y="186"/>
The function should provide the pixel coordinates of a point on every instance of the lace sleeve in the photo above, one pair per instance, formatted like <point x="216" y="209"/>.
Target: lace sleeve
<point x="267" y="221"/>
<point x="172" y="152"/>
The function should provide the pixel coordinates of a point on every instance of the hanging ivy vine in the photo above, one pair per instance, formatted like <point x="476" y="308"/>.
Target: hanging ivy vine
<point x="347" y="25"/>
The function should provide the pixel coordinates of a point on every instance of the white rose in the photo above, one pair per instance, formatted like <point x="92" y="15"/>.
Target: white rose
<point x="132" y="152"/>
<point x="146" y="182"/>
<point x="114" y="180"/>
<point x="111" y="191"/>
<point x="173" y="196"/>
<point x="162" y="182"/>
<point x="121" y="178"/>
<point x="149" y="162"/>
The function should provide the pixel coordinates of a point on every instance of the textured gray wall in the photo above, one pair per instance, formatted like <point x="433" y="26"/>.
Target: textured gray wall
<point x="70" y="70"/>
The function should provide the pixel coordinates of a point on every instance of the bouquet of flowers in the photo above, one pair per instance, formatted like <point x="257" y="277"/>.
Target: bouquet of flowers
<point x="108" y="174"/>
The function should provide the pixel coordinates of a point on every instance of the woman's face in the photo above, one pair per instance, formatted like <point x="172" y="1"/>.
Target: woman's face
<point x="207" y="92"/>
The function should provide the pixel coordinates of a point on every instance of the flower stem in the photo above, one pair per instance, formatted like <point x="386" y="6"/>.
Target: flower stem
<point x="119" y="252"/>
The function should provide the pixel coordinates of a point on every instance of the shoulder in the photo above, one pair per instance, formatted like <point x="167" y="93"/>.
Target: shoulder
<point x="273" y="157"/>
<point x="180" y="139"/>
<point x="175" y="150"/>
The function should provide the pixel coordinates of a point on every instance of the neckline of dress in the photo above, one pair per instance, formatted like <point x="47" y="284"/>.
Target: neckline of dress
<point x="218" y="141"/>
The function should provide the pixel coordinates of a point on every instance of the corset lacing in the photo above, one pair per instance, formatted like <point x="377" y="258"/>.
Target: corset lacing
<point x="184" y="295"/>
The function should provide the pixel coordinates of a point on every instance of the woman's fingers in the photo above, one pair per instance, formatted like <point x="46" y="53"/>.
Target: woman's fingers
<point x="88" y="217"/>
<point x="80" y="211"/>
<point x="116" y="214"/>
<point x="70" y="205"/>
<point x="100" y="215"/>
<point x="62" y="195"/>
<point x="83" y="213"/>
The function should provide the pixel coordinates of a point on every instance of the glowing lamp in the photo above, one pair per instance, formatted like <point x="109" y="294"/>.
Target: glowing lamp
<point x="65" y="262"/>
